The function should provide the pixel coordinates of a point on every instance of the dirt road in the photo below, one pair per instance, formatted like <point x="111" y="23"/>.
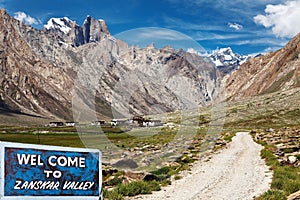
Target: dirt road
<point x="235" y="173"/>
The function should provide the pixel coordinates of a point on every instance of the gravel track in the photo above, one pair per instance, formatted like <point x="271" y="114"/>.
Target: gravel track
<point x="236" y="173"/>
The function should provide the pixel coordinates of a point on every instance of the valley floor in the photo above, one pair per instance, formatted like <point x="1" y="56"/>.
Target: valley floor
<point x="236" y="173"/>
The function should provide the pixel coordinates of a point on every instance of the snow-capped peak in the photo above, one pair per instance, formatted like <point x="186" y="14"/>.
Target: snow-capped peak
<point x="88" y="18"/>
<point x="227" y="61"/>
<point x="224" y="55"/>
<point x="62" y="24"/>
<point x="226" y="50"/>
<point x="224" y="59"/>
<point x="201" y="53"/>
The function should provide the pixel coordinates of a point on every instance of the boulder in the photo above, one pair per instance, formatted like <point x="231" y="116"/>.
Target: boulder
<point x="126" y="163"/>
<point x="150" y="177"/>
<point x="292" y="159"/>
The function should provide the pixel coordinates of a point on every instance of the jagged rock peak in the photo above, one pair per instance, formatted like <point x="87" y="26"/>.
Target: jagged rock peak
<point x="151" y="46"/>
<point x="39" y="71"/>
<point x="2" y="11"/>
<point x="71" y="33"/>
<point x="94" y="30"/>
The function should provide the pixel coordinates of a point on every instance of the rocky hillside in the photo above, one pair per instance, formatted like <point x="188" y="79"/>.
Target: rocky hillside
<point x="68" y="68"/>
<point x="269" y="73"/>
<point x="29" y="83"/>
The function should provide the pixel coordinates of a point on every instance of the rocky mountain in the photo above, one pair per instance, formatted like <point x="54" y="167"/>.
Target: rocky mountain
<point x="224" y="59"/>
<point x="275" y="71"/>
<point x="70" y="32"/>
<point x="29" y="83"/>
<point x="68" y="70"/>
<point x="227" y="61"/>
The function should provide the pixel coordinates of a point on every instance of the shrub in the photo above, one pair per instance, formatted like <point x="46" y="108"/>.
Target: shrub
<point x="285" y="180"/>
<point x="138" y="187"/>
<point x="288" y="150"/>
<point x="114" y="181"/>
<point x="272" y="195"/>
<point x="178" y="177"/>
<point x="162" y="171"/>
<point x="165" y="183"/>
<point x="271" y="160"/>
<point x="291" y="187"/>
<point x="228" y="138"/>
<point x="112" y="195"/>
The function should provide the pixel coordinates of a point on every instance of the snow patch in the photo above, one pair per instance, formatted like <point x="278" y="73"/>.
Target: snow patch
<point x="218" y="63"/>
<point x="228" y="57"/>
<point x="61" y="24"/>
<point x="227" y="60"/>
<point x="192" y="50"/>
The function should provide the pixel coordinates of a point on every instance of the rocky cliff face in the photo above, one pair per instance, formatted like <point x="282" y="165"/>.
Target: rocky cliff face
<point x="71" y="33"/>
<point x="29" y="83"/>
<point x="269" y="73"/>
<point x="44" y="71"/>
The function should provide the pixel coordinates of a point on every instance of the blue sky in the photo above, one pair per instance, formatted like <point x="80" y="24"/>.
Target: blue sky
<point x="248" y="26"/>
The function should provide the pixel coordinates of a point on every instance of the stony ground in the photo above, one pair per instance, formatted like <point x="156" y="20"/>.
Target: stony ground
<point x="235" y="173"/>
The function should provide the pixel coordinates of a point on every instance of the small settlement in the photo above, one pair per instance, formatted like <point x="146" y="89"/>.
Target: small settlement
<point x="137" y="121"/>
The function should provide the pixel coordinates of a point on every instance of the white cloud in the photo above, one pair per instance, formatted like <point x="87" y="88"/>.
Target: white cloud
<point x="21" y="16"/>
<point x="151" y="33"/>
<point x="160" y="33"/>
<point x="201" y="36"/>
<point x="262" y="41"/>
<point x="176" y="22"/>
<point x="235" y="26"/>
<point x="244" y="8"/>
<point x="282" y="18"/>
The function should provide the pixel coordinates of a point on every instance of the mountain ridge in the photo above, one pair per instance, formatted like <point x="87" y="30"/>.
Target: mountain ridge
<point x="225" y="60"/>
<point x="46" y="69"/>
<point x="274" y="71"/>
<point x="72" y="34"/>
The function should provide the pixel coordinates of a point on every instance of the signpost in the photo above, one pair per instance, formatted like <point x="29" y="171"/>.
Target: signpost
<point x="49" y="172"/>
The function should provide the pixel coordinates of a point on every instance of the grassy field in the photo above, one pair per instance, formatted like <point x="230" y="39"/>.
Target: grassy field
<point x="69" y="137"/>
<point x="286" y="179"/>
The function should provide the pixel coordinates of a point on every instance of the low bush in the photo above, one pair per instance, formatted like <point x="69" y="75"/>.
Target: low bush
<point x="272" y="195"/>
<point x="114" y="181"/>
<point x="137" y="187"/>
<point x="177" y="177"/>
<point x="270" y="158"/>
<point x="286" y="179"/>
<point x="112" y="195"/>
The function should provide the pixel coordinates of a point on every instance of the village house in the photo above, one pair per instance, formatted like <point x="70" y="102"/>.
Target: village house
<point x="152" y="123"/>
<point x="56" y="124"/>
<point x="121" y="122"/>
<point x="71" y="124"/>
<point x="98" y="123"/>
<point x="138" y="120"/>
